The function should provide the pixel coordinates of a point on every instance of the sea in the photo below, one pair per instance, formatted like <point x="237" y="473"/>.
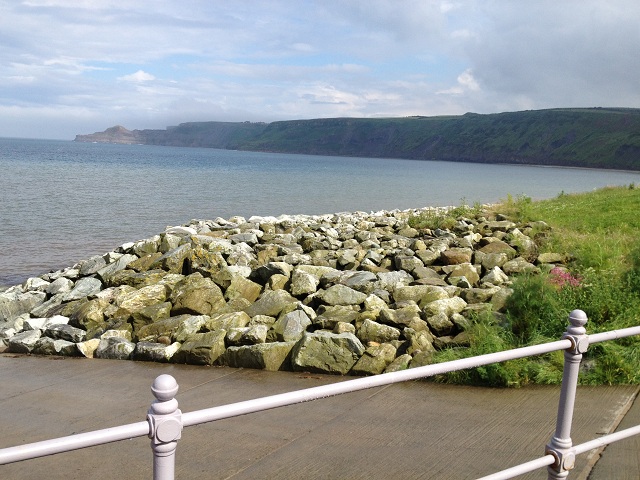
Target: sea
<point x="62" y="201"/>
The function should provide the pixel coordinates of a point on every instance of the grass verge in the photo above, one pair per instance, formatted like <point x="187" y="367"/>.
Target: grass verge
<point x="599" y="232"/>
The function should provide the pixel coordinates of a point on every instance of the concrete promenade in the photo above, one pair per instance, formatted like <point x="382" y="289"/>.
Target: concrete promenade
<point x="415" y="430"/>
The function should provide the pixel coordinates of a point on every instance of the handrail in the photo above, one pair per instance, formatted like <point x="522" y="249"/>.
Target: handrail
<point x="165" y="421"/>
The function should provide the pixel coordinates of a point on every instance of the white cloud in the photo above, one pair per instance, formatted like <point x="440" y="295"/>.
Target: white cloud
<point x="276" y="59"/>
<point x="139" y="77"/>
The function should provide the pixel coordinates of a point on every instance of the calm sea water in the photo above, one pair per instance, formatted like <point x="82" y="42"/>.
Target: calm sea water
<point x="61" y="201"/>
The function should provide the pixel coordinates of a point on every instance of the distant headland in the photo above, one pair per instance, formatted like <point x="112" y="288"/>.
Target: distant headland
<point x="573" y="137"/>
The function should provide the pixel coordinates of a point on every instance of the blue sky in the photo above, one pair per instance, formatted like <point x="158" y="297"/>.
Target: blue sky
<point x="80" y="66"/>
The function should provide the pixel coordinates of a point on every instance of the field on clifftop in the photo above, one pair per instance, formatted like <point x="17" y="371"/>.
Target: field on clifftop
<point x="599" y="231"/>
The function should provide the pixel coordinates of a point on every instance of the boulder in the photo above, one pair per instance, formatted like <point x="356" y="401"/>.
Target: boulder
<point x="371" y="331"/>
<point x="341" y="295"/>
<point x="374" y="360"/>
<point x="65" y="332"/>
<point x="173" y="260"/>
<point x="23" y="342"/>
<point x="155" y="352"/>
<point x="196" y="295"/>
<point x="448" y="306"/>
<point x="115" y="348"/>
<point x="50" y="346"/>
<point x="400" y="363"/>
<point x="201" y="348"/>
<point x="325" y="352"/>
<point x="115" y="266"/>
<point x="272" y="356"/>
<point x="13" y="304"/>
<point x="270" y="303"/>
<point x="291" y="327"/>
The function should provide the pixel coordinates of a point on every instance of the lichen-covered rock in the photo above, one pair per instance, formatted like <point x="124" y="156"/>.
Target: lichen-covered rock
<point x="155" y="352"/>
<point x="341" y="295"/>
<point x="374" y="360"/>
<point x="303" y="283"/>
<point x="271" y="303"/>
<point x="201" y="348"/>
<point x="291" y="327"/>
<point x="173" y="260"/>
<point x="50" y="346"/>
<point x="115" y="348"/>
<point x="400" y="363"/>
<point x="272" y="356"/>
<point x="196" y="295"/>
<point x="241" y="287"/>
<point x="325" y="352"/>
<point x="448" y="306"/>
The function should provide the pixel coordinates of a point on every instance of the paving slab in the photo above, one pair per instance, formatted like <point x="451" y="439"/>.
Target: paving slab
<point x="416" y="429"/>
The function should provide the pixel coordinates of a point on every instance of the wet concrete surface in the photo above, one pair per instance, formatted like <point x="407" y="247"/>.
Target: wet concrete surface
<point x="417" y="430"/>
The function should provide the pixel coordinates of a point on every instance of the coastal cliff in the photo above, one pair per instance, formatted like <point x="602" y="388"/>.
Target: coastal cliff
<point x="593" y="137"/>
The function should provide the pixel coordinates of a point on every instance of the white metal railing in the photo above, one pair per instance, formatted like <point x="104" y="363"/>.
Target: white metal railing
<point x="165" y="421"/>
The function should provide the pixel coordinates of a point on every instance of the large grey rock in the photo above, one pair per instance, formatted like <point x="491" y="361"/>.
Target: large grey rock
<point x="201" y="348"/>
<point x="371" y="331"/>
<point x="341" y="295"/>
<point x="241" y="287"/>
<point x="60" y="285"/>
<point x="271" y="303"/>
<point x="448" y="306"/>
<point x="250" y="335"/>
<point x="23" y="342"/>
<point x="519" y="266"/>
<point x="50" y="346"/>
<point x="173" y="260"/>
<point x="65" y="332"/>
<point x="324" y="352"/>
<point x="225" y="321"/>
<point x="115" y="348"/>
<point x="374" y="360"/>
<point x="144" y="297"/>
<point x="13" y="304"/>
<point x="92" y="265"/>
<point x="291" y="327"/>
<point x="155" y="352"/>
<point x="119" y="264"/>
<point x="267" y="356"/>
<point x="303" y="283"/>
<point x="83" y="288"/>
<point x="196" y="295"/>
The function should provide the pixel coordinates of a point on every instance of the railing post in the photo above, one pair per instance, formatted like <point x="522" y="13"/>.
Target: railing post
<point x="560" y="444"/>
<point x="165" y="426"/>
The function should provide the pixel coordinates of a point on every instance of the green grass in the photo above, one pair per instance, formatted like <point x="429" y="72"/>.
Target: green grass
<point x="599" y="231"/>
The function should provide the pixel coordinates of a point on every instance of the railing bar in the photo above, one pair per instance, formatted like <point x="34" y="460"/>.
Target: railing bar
<point x="314" y="393"/>
<point x="73" y="442"/>
<point x="614" y="334"/>
<point x="522" y="468"/>
<point x="607" y="439"/>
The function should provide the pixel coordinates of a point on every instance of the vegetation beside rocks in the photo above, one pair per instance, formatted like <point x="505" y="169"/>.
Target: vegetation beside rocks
<point x="599" y="233"/>
<point x="354" y="293"/>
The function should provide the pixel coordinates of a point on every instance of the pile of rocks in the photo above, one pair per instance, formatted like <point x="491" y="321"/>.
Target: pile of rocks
<point x="359" y="293"/>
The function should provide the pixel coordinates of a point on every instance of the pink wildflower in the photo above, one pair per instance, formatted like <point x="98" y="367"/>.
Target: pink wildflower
<point x="563" y="278"/>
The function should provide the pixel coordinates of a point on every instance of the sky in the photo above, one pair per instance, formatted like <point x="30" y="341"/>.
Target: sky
<point x="72" y="67"/>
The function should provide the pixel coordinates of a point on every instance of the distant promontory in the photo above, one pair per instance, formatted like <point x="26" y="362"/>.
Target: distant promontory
<point x="575" y="137"/>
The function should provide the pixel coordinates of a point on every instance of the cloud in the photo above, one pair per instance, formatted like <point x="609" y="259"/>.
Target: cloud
<point x="138" y="77"/>
<point x="89" y="62"/>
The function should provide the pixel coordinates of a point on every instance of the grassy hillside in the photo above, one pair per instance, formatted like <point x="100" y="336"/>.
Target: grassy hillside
<point x="596" y="137"/>
<point x="599" y="138"/>
<point x="599" y="232"/>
